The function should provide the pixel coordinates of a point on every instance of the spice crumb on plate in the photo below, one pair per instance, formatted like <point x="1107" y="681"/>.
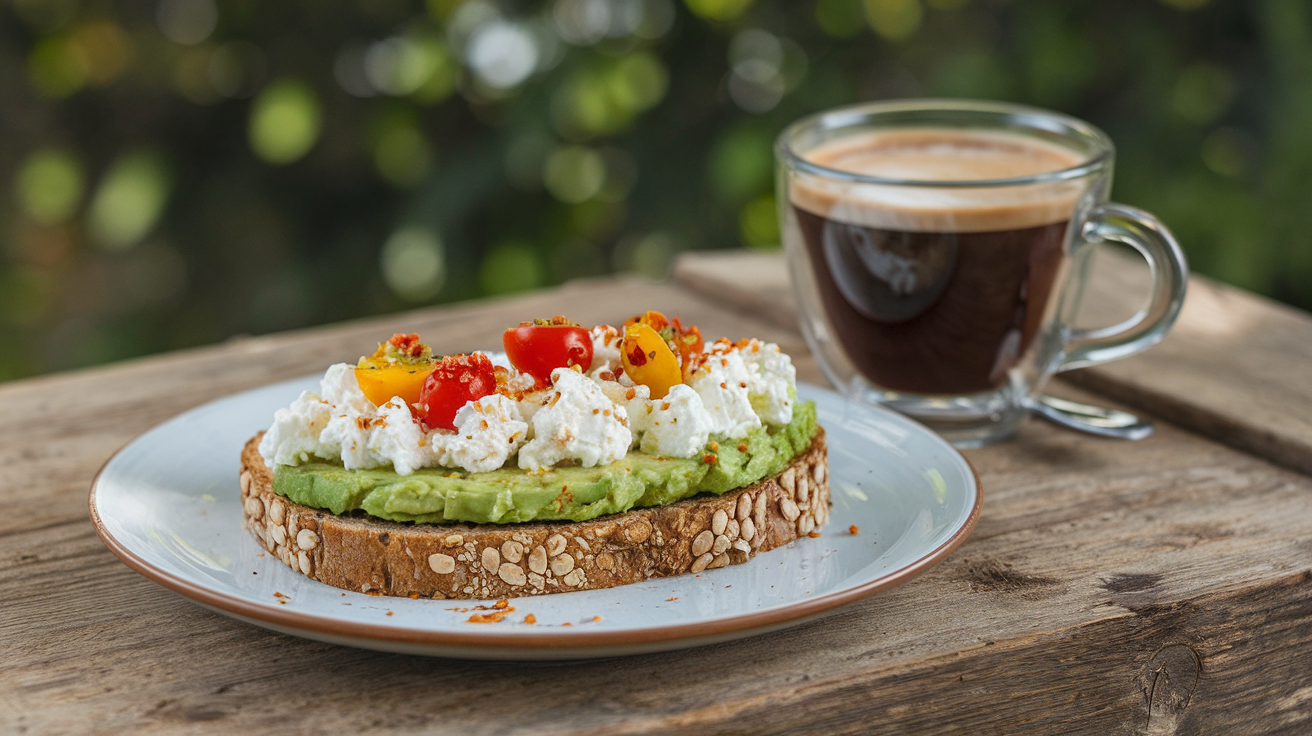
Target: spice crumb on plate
<point x="491" y="618"/>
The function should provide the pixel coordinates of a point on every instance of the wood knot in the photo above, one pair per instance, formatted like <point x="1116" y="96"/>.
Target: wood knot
<point x="1167" y="682"/>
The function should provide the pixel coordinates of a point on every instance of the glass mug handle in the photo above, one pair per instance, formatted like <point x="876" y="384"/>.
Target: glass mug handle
<point x="1170" y="273"/>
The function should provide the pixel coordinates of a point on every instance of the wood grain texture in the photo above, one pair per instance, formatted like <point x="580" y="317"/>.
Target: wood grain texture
<point x="1157" y="587"/>
<point x="1236" y="367"/>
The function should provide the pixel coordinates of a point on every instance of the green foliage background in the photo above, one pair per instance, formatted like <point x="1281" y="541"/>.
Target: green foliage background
<point x="176" y="172"/>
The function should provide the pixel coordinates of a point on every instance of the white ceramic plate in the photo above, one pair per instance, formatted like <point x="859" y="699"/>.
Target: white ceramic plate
<point x="169" y="506"/>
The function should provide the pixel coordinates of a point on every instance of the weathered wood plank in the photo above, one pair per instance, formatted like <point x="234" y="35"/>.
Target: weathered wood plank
<point x="1236" y="368"/>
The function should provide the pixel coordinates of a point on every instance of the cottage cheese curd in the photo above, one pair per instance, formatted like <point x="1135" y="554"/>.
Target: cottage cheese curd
<point x="591" y="419"/>
<point x="579" y="422"/>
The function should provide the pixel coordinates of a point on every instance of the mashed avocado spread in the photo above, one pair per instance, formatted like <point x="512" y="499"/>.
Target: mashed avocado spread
<point x="512" y="495"/>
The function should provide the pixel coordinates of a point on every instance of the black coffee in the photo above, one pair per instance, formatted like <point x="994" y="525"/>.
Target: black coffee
<point x="933" y="313"/>
<point x="936" y="291"/>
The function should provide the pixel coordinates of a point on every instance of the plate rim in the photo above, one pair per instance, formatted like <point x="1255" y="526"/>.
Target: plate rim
<point x="492" y="641"/>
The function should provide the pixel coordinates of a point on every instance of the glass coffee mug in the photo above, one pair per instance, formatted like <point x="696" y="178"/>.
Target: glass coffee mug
<point x="939" y="251"/>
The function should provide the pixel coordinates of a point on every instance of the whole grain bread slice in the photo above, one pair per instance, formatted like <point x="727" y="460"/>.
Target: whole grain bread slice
<point x="484" y="561"/>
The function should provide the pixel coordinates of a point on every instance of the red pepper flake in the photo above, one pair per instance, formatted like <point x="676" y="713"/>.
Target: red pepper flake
<point x="389" y="613"/>
<point x="596" y="618"/>
<point x="567" y="624"/>
<point x="853" y="530"/>
<point x="530" y="619"/>
<point x="637" y="357"/>
<point x="675" y="598"/>
<point x="501" y="604"/>
<point x="813" y="535"/>
<point x="628" y="395"/>
<point x="708" y="458"/>
<point x="414" y="596"/>
<point x="742" y="447"/>
<point x="491" y="618"/>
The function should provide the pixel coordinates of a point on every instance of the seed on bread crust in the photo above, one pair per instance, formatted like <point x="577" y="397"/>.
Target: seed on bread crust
<point x="479" y="561"/>
<point x="702" y="542"/>
<point x="442" y="564"/>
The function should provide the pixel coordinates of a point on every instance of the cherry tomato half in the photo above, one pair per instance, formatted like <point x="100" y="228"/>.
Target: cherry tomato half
<point x="454" y="382"/>
<point x="538" y="348"/>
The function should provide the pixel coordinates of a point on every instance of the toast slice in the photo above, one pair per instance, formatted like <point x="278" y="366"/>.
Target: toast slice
<point x="484" y="561"/>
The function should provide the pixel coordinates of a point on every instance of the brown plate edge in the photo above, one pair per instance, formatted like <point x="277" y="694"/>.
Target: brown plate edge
<point x="573" y="640"/>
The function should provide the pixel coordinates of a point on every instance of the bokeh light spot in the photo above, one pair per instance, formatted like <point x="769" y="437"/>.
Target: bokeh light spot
<point x="718" y="10"/>
<point x="49" y="185"/>
<point x="57" y="67"/>
<point x="191" y="76"/>
<point x="840" y="18"/>
<point x="285" y="121"/>
<point x="650" y="255"/>
<point x="1226" y="151"/>
<point x="502" y="54"/>
<point x="895" y="20"/>
<point x="740" y="164"/>
<point x="129" y="201"/>
<point x="638" y="82"/>
<point x="1202" y="93"/>
<point x="106" y="49"/>
<point x="413" y="263"/>
<point x="758" y="223"/>
<point x="187" y="22"/>
<point x="510" y="267"/>
<point x="402" y="155"/>
<point x="574" y="174"/>
<point x="416" y="63"/>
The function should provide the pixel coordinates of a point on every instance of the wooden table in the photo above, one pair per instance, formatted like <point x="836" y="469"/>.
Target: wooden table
<point x="1156" y="587"/>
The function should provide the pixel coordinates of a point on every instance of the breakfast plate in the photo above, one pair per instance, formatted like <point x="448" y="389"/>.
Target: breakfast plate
<point x="169" y="506"/>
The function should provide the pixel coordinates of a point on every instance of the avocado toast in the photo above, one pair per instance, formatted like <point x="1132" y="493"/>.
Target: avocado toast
<point x="579" y="460"/>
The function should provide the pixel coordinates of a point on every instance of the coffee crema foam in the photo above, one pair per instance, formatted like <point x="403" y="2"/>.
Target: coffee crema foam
<point x="940" y="154"/>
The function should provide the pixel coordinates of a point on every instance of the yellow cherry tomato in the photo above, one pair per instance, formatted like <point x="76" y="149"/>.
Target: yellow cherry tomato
<point x="648" y="360"/>
<point x="381" y="382"/>
<point x="397" y="368"/>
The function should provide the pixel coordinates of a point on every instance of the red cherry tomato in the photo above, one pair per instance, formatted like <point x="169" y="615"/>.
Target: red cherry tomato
<point x="454" y="382"/>
<point x="537" y="349"/>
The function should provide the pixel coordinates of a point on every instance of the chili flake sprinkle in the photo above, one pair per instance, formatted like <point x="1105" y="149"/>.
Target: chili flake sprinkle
<point x="490" y="618"/>
<point x="853" y="530"/>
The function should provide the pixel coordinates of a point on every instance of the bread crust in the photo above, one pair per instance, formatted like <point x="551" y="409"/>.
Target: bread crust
<point x="485" y="561"/>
